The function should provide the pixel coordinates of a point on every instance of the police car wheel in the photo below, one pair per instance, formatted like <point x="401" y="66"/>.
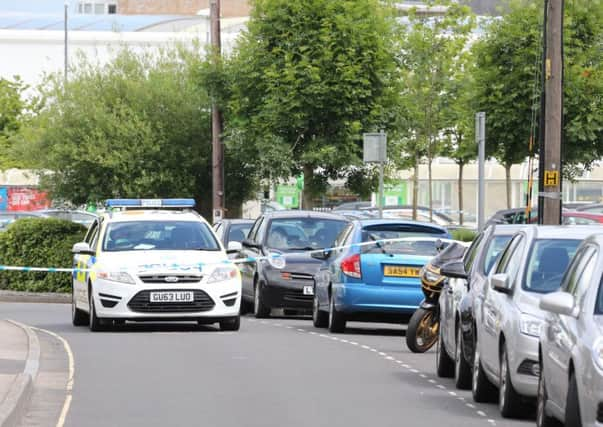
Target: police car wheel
<point x="78" y="317"/>
<point x="96" y="324"/>
<point x="232" y="324"/>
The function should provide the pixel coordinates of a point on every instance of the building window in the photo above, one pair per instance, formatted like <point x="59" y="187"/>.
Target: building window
<point x="112" y="9"/>
<point x="97" y="8"/>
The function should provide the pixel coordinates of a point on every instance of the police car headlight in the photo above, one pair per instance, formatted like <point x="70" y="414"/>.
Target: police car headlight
<point x="222" y="274"/>
<point x="117" y="276"/>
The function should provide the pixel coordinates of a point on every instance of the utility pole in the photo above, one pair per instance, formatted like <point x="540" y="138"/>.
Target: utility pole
<point x="550" y="179"/>
<point x="217" y="158"/>
<point x="66" y="7"/>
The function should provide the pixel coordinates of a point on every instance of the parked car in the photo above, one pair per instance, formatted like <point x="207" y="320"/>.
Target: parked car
<point x="375" y="282"/>
<point x="8" y="217"/>
<point x="232" y="230"/>
<point x="352" y="206"/>
<point x="404" y="212"/>
<point x="267" y="284"/>
<point x="571" y="344"/>
<point x="508" y="321"/>
<point x="467" y="278"/>
<point x="81" y="217"/>
<point x="581" y="218"/>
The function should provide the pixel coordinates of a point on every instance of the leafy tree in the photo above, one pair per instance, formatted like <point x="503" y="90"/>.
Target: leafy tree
<point x="138" y="126"/>
<point x="308" y="77"/>
<point x="12" y="114"/>
<point x="508" y="87"/>
<point x="431" y="52"/>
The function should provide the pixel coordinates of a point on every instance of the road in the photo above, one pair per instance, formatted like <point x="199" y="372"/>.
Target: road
<point x="274" y="372"/>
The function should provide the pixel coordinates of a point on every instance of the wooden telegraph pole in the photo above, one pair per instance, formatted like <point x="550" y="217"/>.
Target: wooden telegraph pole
<point x="550" y="178"/>
<point x="217" y="157"/>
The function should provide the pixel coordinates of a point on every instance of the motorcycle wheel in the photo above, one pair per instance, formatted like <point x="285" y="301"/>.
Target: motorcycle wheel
<point x="422" y="331"/>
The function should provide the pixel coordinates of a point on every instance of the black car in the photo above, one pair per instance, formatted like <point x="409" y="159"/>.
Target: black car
<point x="232" y="230"/>
<point x="268" y="284"/>
<point x="458" y="302"/>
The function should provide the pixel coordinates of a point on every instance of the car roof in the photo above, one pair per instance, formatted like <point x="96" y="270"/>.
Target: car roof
<point x="303" y="214"/>
<point x="596" y="237"/>
<point x="562" y="231"/>
<point x="152" y="215"/>
<point x="371" y="222"/>
<point x="506" y="229"/>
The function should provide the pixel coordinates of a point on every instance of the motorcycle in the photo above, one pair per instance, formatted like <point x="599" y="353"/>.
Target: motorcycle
<point x="424" y="324"/>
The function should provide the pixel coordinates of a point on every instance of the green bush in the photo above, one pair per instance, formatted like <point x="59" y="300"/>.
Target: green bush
<point x="463" y="234"/>
<point x="38" y="242"/>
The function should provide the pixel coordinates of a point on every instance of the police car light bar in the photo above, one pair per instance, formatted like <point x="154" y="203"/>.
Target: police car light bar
<point x="150" y="203"/>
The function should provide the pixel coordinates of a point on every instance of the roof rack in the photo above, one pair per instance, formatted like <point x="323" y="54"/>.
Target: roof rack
<point x="150" y="203"/>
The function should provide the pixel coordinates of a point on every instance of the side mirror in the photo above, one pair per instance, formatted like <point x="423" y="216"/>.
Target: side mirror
<point x="559" y="303"/>
<point x="233" y="247"/>
<point x="454" y="269"/>
<point x="247" y="243"/>
<point x="82" y="248"/>
<point x="321" y="255"/>
<point x="500" y="282"/>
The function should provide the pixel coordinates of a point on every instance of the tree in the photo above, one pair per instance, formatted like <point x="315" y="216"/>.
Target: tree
<point x="138" y="126"/>
<point x="12" y="115"/>
<point x="308" y="77"/>
<point x="431" y="52"/>
<point x="507" y="78"/>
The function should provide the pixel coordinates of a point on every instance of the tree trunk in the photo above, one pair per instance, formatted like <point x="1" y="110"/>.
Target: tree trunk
<point x="460" y="189"/>
<point x="308" y="197"/>
<point x="415" y="189"/>
<point x="508" y="183"/>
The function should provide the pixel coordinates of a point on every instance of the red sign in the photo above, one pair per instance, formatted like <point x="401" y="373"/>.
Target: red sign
<point x="27" y="199"/>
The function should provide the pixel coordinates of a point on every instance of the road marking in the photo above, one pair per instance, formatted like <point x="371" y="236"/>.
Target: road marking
<point x="382" y="353"/>
<point x="278" y="324"/>
<point x="69" y="386"/>
<point x="366" y="347"/>
<point x="353" y="343"/>
<point x="301" y="330"/>
<point x="482" y="413"/>
<point x="469" y="405"/>
<point x="389" y="358"/>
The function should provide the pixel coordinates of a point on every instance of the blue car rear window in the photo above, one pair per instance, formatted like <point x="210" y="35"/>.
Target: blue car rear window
<point x="415" y="240"/>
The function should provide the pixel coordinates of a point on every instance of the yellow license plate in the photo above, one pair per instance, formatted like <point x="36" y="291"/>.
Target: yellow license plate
<point x="401" y="271"/>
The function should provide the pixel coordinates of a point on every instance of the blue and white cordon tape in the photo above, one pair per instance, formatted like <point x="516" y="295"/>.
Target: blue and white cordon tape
<point x="277" y="260"/>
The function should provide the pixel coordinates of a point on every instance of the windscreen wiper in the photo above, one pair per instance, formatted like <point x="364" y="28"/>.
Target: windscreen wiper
<point x="380" y="245"/>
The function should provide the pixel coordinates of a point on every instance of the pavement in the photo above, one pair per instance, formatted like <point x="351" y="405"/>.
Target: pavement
<point x="41" y="297"/>
<point x="19" y="362"/>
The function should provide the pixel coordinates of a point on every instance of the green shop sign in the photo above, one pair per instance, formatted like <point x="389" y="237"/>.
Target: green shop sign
<point x="394" y="194"/>
<point x="288" y="196"/>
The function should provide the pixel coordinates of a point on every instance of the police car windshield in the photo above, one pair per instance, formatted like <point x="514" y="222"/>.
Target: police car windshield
<point x="159" y="235"/>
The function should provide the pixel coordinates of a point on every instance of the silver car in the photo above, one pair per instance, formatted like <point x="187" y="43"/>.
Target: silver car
<point x="571" y="344"/>
<point x="455" y="353"/>
<point x="509" y="319"/>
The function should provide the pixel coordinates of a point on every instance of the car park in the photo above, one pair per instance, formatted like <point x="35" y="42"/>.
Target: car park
<point x="279" y="271"/>
<point x="570" y="389"/>
<point x="232" y="230"/>
<point x="80" y="217"/>
<point x="467" y="279"/>
<point x="508" y="320"/>
<point x="368" y="277"/>
<point x="157" y="260"/>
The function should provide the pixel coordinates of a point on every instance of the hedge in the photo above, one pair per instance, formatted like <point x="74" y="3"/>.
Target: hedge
<point x="38" y="242"/>
<point x="463" y="234"/>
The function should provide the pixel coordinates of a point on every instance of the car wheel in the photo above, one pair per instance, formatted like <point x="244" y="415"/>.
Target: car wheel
<point x="444" y="364"/>
<point x="572" y="406"/>
<point x="462" y="369"/>
<point x="481" y="388"/>
<point x="260" y="310"/>
<point x="319" y="318"/>
<point x="95" y="323"/>
<point x="542" y="419"/>
<point x="232" y="324"/>
<point x="78" y="317"/>
<point x="509" y="401"/>
<point x="336" y="319"/>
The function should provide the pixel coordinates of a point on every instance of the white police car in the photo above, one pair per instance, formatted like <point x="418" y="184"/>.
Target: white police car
<point x="154" y="260"/>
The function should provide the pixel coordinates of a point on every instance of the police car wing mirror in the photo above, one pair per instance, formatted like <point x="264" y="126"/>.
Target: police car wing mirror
<point x="233" y="247"/>
<point x="82" y="248"/>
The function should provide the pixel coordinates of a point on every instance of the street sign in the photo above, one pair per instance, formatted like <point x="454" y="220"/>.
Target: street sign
<point x="551" y="178"/>
<point x="374" y="147"/>
<point x="217" y="215"/>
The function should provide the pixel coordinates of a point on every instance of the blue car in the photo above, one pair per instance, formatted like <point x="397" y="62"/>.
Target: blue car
<point x="378" y="280"/>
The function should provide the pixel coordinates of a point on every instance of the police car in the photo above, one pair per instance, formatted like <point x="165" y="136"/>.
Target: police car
<point x="153" y="260"/>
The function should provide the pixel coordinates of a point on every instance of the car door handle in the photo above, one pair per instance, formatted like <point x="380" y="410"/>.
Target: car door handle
<point x="449" y="290"/>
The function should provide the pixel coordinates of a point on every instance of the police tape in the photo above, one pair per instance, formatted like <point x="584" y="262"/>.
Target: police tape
<point x="276" y="259"/>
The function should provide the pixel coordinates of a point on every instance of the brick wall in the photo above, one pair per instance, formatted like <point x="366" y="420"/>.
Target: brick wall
<point x="230" y="8"/>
